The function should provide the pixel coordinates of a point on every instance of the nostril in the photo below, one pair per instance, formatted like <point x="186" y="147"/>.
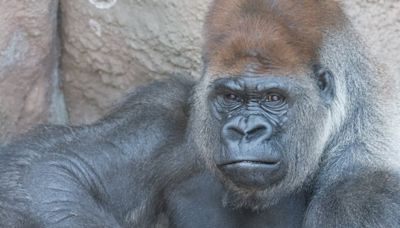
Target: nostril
<point x="256" y="130"/>
<point x="237" y="130"/>
<point x="234" y="133"/>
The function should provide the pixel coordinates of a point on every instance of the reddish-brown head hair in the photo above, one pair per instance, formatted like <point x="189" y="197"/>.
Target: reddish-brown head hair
<point x="266" y="36"/>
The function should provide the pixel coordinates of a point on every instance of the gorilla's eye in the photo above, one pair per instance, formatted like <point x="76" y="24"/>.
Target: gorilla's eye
<point x="232" y="97"/>
<point x="274" y="98"/>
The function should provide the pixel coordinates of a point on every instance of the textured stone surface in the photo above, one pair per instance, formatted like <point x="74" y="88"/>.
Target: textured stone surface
<point x="112" y="45"/>
<point x="28" y="67"/>
<point x="378" y="21"/>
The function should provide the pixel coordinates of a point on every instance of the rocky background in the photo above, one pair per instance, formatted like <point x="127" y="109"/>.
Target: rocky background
<point x="68" y="61"/>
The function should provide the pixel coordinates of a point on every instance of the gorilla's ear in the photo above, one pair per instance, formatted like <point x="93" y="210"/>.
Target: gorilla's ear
<point x="326" y="83"/>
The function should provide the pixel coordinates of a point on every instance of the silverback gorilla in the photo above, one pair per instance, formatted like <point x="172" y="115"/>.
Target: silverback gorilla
<point x="291" y="125"/>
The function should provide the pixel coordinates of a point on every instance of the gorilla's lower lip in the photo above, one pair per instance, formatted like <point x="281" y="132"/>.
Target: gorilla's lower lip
<point x="251" y="166"/>
<point x="252" y="174"/>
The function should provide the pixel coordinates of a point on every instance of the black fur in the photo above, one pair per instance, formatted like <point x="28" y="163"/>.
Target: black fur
<point x="108" y="174"/>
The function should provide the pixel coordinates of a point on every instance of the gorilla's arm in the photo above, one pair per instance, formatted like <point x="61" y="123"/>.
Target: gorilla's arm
<point x="352" y="194"/>
<point x="109" y="174"/>
<point x="368" y="199"/>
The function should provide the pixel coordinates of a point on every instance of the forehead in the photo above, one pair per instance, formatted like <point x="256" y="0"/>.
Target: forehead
<point x="253" y="83"/>
<point x="266" y="36"/>
<point x="260" y="83"/>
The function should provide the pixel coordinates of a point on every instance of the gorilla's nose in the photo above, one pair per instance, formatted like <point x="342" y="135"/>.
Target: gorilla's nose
<point x="252" y="128"/>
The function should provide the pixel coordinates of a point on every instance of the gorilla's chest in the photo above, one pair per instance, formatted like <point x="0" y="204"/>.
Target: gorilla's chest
<point x="198" y="203"/>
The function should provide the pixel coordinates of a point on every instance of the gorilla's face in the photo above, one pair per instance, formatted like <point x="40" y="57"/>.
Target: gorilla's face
<point x="251" y="114"/>
<point x="262" y="112"/>
<point x="265" y="134"/>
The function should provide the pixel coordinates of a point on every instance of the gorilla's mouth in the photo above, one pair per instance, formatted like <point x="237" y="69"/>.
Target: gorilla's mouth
<point x="249" y="162"/>
<point x="252" y="174"/>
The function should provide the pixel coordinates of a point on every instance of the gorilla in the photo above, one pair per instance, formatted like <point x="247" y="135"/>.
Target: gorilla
<point x="291" y="125"/>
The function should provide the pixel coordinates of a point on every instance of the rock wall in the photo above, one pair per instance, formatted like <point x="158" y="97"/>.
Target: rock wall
<point x="378" y="21"/>
<point x="111" y="46"/>
<point x="29" y="92"/>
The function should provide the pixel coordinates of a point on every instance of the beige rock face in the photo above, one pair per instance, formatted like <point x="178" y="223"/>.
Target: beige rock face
<point x="110" y="46"/>
<point x="28" y="64"/>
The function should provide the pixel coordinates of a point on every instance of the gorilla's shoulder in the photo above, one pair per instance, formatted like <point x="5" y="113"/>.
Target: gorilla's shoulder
<point x="166" y="96"/>
<point x="160" y="101"/>
<point x="175" y="88"/>
<point x="371" y="184"/>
